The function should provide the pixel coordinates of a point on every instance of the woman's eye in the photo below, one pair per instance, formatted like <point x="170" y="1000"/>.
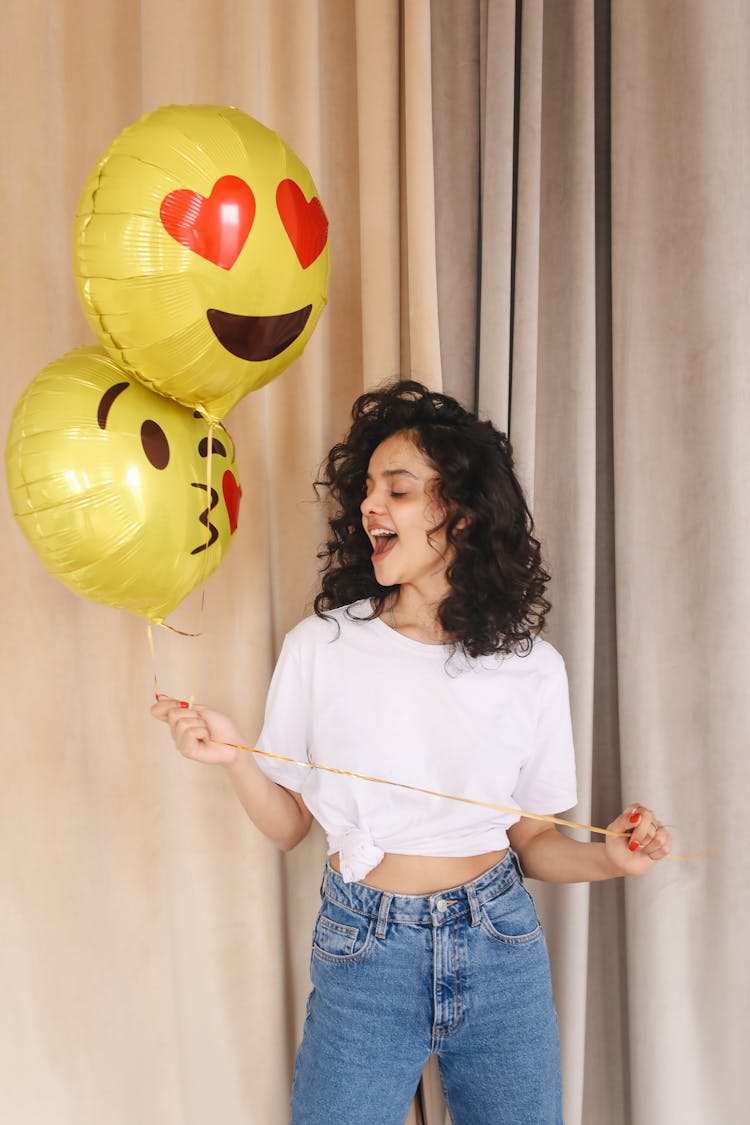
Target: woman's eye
<point x="396" y="495"/>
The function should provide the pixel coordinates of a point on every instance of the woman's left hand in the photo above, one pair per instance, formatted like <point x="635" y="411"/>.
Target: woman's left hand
<point x="647" y="842"/>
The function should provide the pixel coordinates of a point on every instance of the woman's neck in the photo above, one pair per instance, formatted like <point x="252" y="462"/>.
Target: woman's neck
<point x="410" y="613"/>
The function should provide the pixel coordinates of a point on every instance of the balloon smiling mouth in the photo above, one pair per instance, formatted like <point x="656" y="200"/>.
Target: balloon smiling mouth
<point x="257" y="338"/>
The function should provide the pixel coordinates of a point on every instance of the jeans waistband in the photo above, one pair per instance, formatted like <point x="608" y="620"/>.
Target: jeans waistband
<point x="423" y="909"/>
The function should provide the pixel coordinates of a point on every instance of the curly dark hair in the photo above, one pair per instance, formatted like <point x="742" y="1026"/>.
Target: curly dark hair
<point x="496" y="601"/>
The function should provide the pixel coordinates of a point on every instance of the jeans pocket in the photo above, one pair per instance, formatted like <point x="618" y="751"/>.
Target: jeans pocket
<point x="511" y="916"/>
<point x="342" y="936"/>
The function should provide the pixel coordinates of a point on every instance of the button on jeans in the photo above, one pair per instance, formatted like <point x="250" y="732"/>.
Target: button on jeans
<point x="462" y="974"/>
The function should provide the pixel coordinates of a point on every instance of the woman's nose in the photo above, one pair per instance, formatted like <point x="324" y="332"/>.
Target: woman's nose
<point x="371" y="503"/>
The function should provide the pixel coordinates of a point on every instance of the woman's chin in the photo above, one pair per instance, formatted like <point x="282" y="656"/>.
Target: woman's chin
<point x="383" y="575"/>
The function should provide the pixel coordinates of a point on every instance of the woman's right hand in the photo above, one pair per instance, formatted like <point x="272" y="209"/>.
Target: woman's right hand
<point x="202" y="735"/>
<point x="198" y="733"/>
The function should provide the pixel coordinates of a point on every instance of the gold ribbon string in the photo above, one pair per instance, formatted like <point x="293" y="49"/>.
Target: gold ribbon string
<point x="201" y="612"/>
<point x="451" y="797"/>
<point x="179" y="632"/>
<point x="152" y="650"/>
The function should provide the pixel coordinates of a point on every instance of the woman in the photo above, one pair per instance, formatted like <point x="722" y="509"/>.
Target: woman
<point x="424" y="665"/>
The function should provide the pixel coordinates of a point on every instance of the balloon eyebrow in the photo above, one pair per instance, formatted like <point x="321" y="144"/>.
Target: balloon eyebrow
<point x="106" y="401"/>
<point x="216" y="447"/>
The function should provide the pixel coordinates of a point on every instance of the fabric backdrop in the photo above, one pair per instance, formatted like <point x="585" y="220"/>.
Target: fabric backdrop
<point x="539" y="207"/>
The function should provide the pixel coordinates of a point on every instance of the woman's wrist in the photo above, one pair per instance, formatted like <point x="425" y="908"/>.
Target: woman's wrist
<point x="237" y="766"/>
<point x="610" y="869"/>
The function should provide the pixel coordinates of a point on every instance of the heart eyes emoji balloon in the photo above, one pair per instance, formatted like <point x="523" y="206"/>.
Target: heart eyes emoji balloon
<point x="200" y="254"/>
<point x="110" y="484"/>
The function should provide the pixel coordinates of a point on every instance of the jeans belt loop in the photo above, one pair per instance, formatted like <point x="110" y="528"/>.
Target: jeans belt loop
<point x="385" y="905"/>
<point x="517" y="864"/>
<point x="471" y="894"/>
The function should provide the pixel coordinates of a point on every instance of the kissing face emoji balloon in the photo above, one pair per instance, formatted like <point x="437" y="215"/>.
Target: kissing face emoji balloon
<point x="110" y="484"/>
<point x="201" y="254"/>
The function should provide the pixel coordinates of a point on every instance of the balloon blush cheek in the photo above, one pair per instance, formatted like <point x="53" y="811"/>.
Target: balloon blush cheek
<point x="232" y="495"/>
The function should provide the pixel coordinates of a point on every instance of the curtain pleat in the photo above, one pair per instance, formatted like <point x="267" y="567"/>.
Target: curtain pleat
<point x="455" y="50"/>
<point x="680" y="240"/>
<point x="420" y="354"/>
<point x="378" y="46"/>
<point x="538" y="266"/>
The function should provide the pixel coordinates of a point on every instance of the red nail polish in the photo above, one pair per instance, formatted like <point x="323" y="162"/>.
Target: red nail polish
<point x="634" y="845"/>
<point x="634" y="818"/>
<point x="184" y="703"/>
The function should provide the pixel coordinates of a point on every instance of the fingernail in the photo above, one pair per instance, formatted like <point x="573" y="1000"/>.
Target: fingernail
<point x="636" y="816"/>
<point x="634" y="845"/>
<point x="184" y="703"/>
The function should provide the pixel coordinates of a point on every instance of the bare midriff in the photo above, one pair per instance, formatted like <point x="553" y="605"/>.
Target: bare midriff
<point x="424" y="874"/>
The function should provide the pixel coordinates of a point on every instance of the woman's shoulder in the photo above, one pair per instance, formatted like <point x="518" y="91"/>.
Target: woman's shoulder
<point x="315" y="629"/>
<point x="541" y="661"/>
<point x="546" y="655"/>
<point x="547" y="663"/>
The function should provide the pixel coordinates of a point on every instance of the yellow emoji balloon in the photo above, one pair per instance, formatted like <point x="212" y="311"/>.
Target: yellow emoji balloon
<point x="109" y="483"/>
<point x="201" y="254"/>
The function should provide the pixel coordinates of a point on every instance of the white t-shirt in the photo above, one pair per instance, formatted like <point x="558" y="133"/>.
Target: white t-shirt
<point x="356" y="695"/>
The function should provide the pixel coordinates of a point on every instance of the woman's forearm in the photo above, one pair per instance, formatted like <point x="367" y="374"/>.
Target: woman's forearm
<point x="275" y="811"/>
<point x="555" y="858"/>
<point x="633" y="843"/>
<point x="203" y="735"/>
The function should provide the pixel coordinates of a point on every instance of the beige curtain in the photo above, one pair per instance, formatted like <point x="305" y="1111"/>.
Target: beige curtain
<point x="601" y="315"/>
<point x="542" y="208"/>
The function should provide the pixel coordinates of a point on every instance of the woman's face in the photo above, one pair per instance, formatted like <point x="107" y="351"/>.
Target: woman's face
<point x="400" y="513"/>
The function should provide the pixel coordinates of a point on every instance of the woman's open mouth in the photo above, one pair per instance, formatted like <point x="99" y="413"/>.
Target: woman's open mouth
<point x="383" y="542"/>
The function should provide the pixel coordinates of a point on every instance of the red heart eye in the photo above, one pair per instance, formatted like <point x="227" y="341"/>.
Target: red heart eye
<point x="305" y="222"/>
<point x="215" y="227"/>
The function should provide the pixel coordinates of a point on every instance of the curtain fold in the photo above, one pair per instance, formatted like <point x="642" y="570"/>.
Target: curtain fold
<point x="680" y="168"/>
<point x="420" y="356"/>
<point x="538" y="290"/>
<point x="378" y="40"/>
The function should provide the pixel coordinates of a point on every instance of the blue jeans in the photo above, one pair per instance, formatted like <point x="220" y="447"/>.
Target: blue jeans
<point x="462" y="974"/>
